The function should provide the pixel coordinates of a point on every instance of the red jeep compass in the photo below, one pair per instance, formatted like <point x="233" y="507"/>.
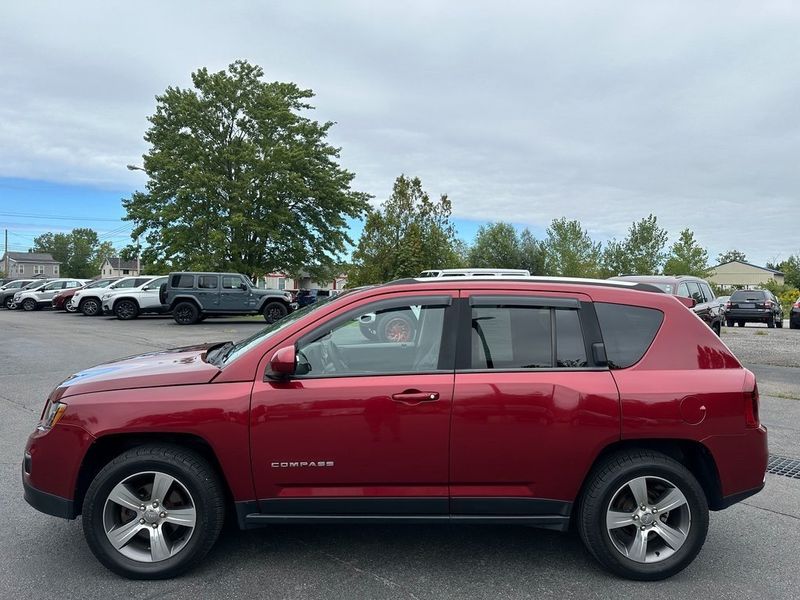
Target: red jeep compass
<point x="543" y="402"/>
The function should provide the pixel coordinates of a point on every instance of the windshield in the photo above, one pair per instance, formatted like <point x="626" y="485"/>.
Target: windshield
<point x="246" y="344"/>
<point x="99" y="283"/>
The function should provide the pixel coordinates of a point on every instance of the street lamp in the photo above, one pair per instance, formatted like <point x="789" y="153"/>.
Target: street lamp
<point x="135" y="168"/>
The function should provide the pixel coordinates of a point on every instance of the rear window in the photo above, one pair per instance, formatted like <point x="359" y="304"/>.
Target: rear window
<point x="745" y="295"/>
<point x="183" y="281"/>
<point x="627" y="331"/>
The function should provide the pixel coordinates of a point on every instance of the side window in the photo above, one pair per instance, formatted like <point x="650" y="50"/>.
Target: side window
<point x="511" y="337"/>
<point x="125" y="284"/>
<point x="231" y="282"/>
<point x="399" y="339"/>
<point x="627" y="331"/>
<point x="683" y="291"/>
<point x="570" y="348"/>
<point x="694" y="291"/>
<point x="707" y="293"/>
<point x="183" y="281"/>
<point x="207" y="282"/>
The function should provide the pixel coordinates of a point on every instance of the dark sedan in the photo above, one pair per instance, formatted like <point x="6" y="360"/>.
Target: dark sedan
<point x="794" y="316"/>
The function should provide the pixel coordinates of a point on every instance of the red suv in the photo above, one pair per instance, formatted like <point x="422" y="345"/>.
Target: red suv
<point x="544" y="402"/>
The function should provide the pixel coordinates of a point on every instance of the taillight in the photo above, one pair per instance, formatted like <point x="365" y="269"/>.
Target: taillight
<point x="728" y="305"/>
<point x="768" y="304"/>
<point x="796" y="304"/>
<point x="751" y="408"/>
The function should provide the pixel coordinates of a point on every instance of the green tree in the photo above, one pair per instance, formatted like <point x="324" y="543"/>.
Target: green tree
<point x="730" y="256"/>
<point x="615" y="260"/>
<point x="409" y="233"/>
<point x="640" y="253"/>
<point x="791" y="270"/>
<point x="80" y="252"/>
<point x="569" y="250"/>
<point x="496" y="245"/>
<point x="240" y="179"/>
<point x="533" y="255"/>
<point x="687" y="257"/>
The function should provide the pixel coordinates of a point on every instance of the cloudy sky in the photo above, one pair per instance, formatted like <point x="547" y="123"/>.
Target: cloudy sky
<point x="521" y="111"/>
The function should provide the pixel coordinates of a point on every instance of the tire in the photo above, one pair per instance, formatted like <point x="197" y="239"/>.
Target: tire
<point x="91" y="307"/>
<point x="274" y="311"/>
<point x="29" y="304"/>
<point x="190" y="483"/>
<point x="741" y="323"/>
<point x="162" y="293"/>
<point x="771" y="322"/>
<point x="396" y="327"/>
<point x="185" y="313"/>
<point x="125" y="309"/>
<point x="717" y="328"/>
<point x="8" y="302"/>
<point x="729" y="323"/>
<point x="69" y="307"/>
<point x="779" y="323"/>
<point x="607" y="487"/>
<point x="794" y="326"/>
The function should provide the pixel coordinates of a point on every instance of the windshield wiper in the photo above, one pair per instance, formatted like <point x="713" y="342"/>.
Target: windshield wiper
<point x="217" y="354"/>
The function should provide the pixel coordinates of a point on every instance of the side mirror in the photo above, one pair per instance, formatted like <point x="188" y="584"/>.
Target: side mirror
<point x="243" y="286"/>
<point x="599" y="354"/>
<point x="687" y="302"/>
<point x="283" y="364"/>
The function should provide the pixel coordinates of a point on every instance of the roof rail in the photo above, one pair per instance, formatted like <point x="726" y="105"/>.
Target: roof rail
<point x="630" y="285"/>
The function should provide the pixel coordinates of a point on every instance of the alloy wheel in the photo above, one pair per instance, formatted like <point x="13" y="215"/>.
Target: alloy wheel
<point x="648" y="519"/>
<point x="149" y="517"/>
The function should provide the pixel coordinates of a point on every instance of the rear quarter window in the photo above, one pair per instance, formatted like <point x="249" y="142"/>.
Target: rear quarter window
<point x="183" y="281"/>
<point x="627" y="331"/>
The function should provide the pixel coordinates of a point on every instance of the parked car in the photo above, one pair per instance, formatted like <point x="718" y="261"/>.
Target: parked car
<point x="545" y="402"/>
<point x="706" y="306"/>
<point x="306" y="297"/>
<point x="90" y="301"/>
<point x="191" y="297"/>
<point x="42" y="296"/>
<point x="794" y="316"/>
<point x="10" y="288"/>
<point x="129" y="303"/>
<point x="475" y="273"/>
<point x="722" y="301"/>
<point x="61" y="301"/>
<point x="754" y="306"/>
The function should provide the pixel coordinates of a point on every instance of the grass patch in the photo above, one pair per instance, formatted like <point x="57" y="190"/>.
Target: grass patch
<point x="761" y="333"/>
<point x="785" y="396"/>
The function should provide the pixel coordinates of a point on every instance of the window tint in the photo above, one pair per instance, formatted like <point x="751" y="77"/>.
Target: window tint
<point x="124" y="284"/>
<point x="231" y="282"/>
<point x="627" y="331"/>
<point x="747" y="295"/>
<point x="157" y="282"/>
<point x="694" y="291"/>
<point x="404" y="339"/>
<point x="570" y="349"/>
<point x="183" y="281"/>
<point x="207" y="282"/>
<point x="707" y="293"/>
<point x="511" y="337"/>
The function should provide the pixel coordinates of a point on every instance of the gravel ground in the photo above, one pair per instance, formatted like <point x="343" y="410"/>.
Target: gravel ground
<point x="751" y="548"/>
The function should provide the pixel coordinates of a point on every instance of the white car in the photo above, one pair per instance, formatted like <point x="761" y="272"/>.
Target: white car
<point x="129" y="303"/>
<point x="41" y="296"/>
<point x="89" y="300"/>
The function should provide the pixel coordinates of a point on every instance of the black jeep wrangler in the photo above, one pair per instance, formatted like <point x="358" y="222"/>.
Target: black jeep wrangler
<point x="194" y="296"/>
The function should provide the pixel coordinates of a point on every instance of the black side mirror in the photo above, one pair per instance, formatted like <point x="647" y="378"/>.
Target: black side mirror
<point x="243" y="286"/>
<point x="599" y="354"/>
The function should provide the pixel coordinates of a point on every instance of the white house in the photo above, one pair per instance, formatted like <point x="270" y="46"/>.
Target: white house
<point x="114" y="266"/>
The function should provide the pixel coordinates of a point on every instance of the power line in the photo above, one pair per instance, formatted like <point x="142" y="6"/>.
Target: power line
<point x="62" y="217"/>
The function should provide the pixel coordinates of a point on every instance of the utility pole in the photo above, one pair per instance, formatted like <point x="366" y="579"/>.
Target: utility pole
<point x="138" y="262"/>
<point x="6" y="255"/>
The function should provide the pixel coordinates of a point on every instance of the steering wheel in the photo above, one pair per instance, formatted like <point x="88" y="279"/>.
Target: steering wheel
<point x="331" y="357"/>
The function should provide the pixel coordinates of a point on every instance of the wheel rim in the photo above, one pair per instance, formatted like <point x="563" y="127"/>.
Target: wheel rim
<point x="68" y="306"/>
<point x="29" y="305"/>
<point x="274" y="314"/>
<point x="125" y="310"/>
<point x="90" y="307"/>
<point x="648" y="519"/>
<point x="183" y="314"/>
<point x="397" y="330"/>
<point x="149" y="517"/>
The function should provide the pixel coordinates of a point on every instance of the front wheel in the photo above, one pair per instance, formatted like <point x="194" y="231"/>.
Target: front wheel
<point x="274" y="311"/>
<point x="153" y="512"/>
<point x="91" y="307"/>
<point x="29" y="304"/>
<point x="125" y="310"/>
<point x="643" y="515"/>
<point x="8" y="302"/>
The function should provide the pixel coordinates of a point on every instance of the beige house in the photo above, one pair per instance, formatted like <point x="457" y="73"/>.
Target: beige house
<point x="282" y="281"/>
<point x="114" y="266"/>
<point x="739" y="274"/>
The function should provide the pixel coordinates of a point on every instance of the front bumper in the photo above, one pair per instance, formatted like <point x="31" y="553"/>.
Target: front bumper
<point x="49" y="504"/>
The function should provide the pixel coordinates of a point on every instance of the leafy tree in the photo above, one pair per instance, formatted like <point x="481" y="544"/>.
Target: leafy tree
<point x="791" y="270"/>
<point x="533" y="255"/>
<point x="408" y="234"/>
<point x="496" y="245"/>
<point x="569" y="250"/>
<point x="615" y="260"/>
<point x="240" y="179"/>
<point x="80" y="252"/>
<point x="687" y="257"/>
<point x="730" y="256"/>
<point x="640" y="253"/>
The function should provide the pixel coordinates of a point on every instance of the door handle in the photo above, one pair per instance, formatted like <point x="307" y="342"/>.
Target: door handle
<point x="413" y="397"/>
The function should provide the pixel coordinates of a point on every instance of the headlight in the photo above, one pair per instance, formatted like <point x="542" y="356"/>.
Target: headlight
<point x="53" y="411"/>
<point x="106" y="296"/>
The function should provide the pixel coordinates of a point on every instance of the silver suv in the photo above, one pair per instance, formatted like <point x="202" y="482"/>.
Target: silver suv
<point x="89" y="301"/>
<point x="129" y="303"/>
<point x="41" y="296"/>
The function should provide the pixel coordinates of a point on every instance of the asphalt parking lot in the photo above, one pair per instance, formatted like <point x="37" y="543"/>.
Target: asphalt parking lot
<point x="752" y="548"/>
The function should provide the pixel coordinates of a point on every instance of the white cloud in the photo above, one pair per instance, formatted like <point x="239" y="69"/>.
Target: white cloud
<point x="520" y="111"/>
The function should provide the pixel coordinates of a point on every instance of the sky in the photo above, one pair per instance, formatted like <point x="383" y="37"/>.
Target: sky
<point x="519" y="111"/>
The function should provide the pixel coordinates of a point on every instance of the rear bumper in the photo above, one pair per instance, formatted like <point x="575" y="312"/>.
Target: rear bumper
<point x="741" y="462"/>
<point x="749" y="315"/>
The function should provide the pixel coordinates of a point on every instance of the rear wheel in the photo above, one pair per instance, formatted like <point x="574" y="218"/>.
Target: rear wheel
<point x="643" y="515"/>
<point x="185" y="313"/>
<point x="717" y="327"/>
<point x="274" y="311"/>
<point x="8" y="302"/>
<point x="90" y="307"/>
<point x="771" y="322"/>
<point x="741" y="323"/>
<point x="729" y="323"/>
<point x="779" y="323"/>
<point x="126" y="310"/>
<point x="69" y="307"/>
<point x="153" y="512"/>
<point x="29" y="304"/>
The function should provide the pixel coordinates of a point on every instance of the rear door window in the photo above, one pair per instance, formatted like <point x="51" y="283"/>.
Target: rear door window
<point x="694" y="291"/>
<point x="627" y="331"/>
